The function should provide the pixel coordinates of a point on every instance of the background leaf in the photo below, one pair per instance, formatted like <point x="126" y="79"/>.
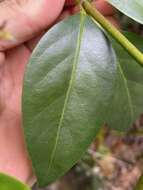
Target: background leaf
<point x="10" y="183"/>
<point x="131" y="8"/>
<point x="139" y="185"/>
<point x="67" y="89"/>
<point x="127" y="103"/>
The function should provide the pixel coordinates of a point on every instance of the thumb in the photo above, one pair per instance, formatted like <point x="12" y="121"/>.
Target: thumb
<point x="25" y="19"/>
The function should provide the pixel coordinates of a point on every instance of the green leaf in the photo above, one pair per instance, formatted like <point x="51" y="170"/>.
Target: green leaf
<point x="127" y="103"/>
<point x="68" y="84"/>
<point x="131" y="8"/>
<point x="10" y="183"/>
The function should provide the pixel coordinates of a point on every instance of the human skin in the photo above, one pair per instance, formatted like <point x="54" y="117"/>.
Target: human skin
<point x="27" y="21"/>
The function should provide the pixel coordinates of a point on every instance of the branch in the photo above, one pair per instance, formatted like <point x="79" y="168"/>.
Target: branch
<point x="115" y="33"/>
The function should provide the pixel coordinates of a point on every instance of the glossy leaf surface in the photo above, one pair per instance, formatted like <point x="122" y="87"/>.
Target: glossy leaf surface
<point x="131" y="8"/>
<point x="127" y="104"/>
<point x="68" y="85"/>
<point x="10" y="183"/>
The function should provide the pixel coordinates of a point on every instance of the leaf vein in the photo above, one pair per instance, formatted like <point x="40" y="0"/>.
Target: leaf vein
<point x="75" y="62"/>
<point x="128" y="92"/>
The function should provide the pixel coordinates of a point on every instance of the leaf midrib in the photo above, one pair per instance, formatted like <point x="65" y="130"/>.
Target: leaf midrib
<point x="75" y="63"/>
<point x="128" y="91"/>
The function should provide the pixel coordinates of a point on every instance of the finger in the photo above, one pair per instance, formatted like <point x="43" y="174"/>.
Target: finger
<point x="114" y="22"/>
<point x="2" y="59"/>
<point x="31" y="180"/>
<point x="70" y="3"/>
<point x="31" y="44"/>
<point x="104" y="7"/>
<point x="11" y="89"/>
<point x="66" y="13"/>
<point x="26" y="20"/>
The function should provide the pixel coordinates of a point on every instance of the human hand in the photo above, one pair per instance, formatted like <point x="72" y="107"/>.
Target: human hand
<point x="26" y="21"/>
